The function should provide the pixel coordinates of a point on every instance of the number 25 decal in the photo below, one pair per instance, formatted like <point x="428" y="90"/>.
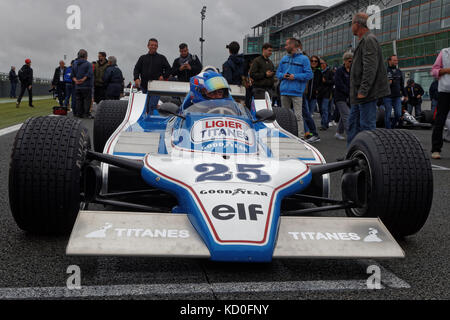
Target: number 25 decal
<point x="220" y="172"/>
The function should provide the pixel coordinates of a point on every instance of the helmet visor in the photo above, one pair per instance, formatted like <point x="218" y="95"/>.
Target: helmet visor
<point x="216" y="83"/>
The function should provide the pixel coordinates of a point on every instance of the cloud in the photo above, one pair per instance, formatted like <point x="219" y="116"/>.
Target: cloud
<point x="37" y="29"/>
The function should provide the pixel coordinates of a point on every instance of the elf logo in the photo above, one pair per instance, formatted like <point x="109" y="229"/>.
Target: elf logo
<point x="227" y="212"/>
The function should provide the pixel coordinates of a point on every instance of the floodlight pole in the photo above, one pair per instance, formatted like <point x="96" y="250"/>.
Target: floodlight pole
<point x="203" y="16"/>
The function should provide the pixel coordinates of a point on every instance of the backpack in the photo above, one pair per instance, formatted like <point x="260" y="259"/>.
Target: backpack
<point x="21" y="75"/>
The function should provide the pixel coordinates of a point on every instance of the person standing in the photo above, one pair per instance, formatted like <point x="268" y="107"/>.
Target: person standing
<point x="368" y="79"/>
<point x="69" y="90"/>
<point x="113" y="80"/>
<point x="310" y="98"/>
<point x="151" y="66"/>
<point x="83" y="78"/>
<point x="186" y="65"/>
<point x="13" y="80"/>
<point x="58" y="82"/>
<point x="342" y="94"/>
<point x="415" y="93"/>
<point x="26" y="83"/>
<point x="325" y="91"/>
<point x="394" y="100"/>
<point x="262" y="71"/>
<point x="99" y="70"/>
<point x="294" y="71"/>
<point x="233" y="68"/>
<point x="441" y="71"/>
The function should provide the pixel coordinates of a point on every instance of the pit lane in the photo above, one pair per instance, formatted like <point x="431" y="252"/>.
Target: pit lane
<point x="35" y="267"/>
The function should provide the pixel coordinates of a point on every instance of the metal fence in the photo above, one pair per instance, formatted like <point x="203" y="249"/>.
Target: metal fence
<point x="40" y="86"/>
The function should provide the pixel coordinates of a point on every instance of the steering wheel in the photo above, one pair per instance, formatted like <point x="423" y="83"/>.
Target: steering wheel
<point x="222" y="110"/>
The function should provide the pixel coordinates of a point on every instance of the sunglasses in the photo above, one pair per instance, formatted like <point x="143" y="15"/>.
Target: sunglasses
<point x="314" y="60"/>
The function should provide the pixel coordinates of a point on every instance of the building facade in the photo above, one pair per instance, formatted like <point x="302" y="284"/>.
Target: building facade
<point x="415" y="30"/>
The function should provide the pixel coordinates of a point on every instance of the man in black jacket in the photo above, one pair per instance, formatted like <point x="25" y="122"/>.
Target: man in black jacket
<point x="151" y="66"/>
<point x="13" y="79"/>
<point x="415" y="93"/>
<point x="233" y="68"/>
<point x="262" y="72"/>
<point x="26" y="83"/>
<point x="394" y="100"/>
<point x="113" y="80"/>
<point x="186" y="65"/>
<point x="58" y="82"/>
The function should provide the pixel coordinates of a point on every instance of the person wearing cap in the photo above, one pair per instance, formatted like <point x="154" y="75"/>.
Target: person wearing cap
<point x="233" y="68"/>
<point x="26" y="83"/>
<point x="415" y="93"/>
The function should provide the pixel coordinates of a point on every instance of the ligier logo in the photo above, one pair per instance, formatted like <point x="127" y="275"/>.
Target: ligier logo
<point x="237" y="191"/>
<point x="212" y="129"/>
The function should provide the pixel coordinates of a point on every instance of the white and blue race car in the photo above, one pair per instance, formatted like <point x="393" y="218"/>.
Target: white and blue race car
<point x="213" y="179"/>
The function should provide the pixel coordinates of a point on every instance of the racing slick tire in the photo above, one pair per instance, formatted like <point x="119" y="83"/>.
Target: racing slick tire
<point x="109" y="115"/>
<point x="286" y="119"/>
<point x="45" y="174"/>
<point x="398" y="179"/>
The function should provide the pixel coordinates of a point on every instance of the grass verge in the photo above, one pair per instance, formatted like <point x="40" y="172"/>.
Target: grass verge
<point x="10" y="115"/>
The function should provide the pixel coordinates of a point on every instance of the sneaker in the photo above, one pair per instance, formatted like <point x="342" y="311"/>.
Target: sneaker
<point x="435" y="155"/>
<point x="330" y="124"/>
<point x="339" y="136"/>
<point x="308" y="135"/>
<point x="17" y="104"/>
<point x="313" y="139"/>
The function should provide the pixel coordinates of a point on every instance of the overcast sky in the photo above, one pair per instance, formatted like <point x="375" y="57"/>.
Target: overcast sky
<point x="36" y="29"/>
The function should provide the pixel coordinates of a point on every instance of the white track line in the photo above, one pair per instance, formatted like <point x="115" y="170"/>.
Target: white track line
<point x="10" y="129"/>
<point x="388" y="280"/>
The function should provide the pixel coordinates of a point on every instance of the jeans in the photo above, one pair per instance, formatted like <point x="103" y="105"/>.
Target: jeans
<point x="308" y="122"/>
<point x="60" y="90"/>
<point x="441" y="116"/>
<point x="69" y="93"/>
<point x="390" y="103"/>
<point x="325" y="103"/>
<point x="311" y="108"/>
<point x="12" y="93"/>
<point x="296" y="102"/>
<point x="418" y="109"/>
<point x="344" y="110"/>
<point x="362" y="117"/>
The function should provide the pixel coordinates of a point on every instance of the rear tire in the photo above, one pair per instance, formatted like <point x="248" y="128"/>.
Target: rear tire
<point x="286" y="119"/>
<point x="109" y="116"/>
<point x="399" y="179"/>
<point x="45" y="174"/>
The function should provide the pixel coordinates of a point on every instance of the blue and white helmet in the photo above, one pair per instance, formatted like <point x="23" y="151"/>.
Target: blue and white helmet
<point x="207" y="82"/>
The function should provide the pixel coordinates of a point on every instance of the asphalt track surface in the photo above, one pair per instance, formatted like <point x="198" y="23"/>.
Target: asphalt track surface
<point x="36" y="267"/>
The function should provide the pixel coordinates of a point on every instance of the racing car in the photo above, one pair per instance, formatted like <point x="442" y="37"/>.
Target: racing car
<point x="210" y="178"/>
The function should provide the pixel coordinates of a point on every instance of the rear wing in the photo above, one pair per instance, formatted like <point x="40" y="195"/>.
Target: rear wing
<point x="181" y="89"/>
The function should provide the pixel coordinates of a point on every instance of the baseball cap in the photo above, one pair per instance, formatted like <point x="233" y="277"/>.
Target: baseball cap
<point x="27" y="61"/>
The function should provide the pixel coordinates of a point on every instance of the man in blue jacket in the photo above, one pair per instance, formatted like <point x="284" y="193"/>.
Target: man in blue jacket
<point x="83" y="78"/>
<point x="294" y="71"/>
<point x="113" y="80"/>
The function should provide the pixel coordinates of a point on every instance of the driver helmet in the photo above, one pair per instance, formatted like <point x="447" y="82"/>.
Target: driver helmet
<point x="208" y="86"/>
